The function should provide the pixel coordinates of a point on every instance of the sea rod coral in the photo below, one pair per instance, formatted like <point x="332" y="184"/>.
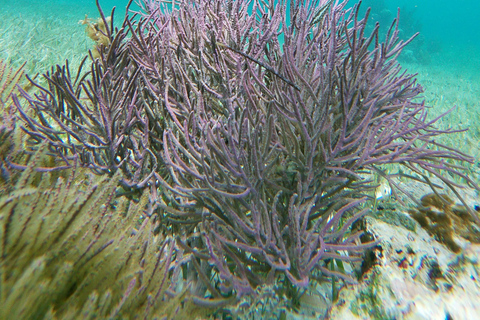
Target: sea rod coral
<point x="251" y="122"/>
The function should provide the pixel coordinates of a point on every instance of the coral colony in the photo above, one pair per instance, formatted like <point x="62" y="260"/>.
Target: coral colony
<point x="250" y="123"/>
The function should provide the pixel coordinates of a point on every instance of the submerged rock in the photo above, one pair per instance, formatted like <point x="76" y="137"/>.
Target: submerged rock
<point x="414" y="277"/>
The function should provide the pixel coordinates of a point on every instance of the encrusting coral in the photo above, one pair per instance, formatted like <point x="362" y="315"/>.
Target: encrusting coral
<point x="443" y="219"/>
<point x="249" y="151"/>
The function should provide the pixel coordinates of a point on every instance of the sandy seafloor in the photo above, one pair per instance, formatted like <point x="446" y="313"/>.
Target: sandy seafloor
<point x="45" y="34"/>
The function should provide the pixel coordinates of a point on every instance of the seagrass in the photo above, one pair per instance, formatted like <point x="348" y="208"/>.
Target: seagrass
<point x="70" y="250"/>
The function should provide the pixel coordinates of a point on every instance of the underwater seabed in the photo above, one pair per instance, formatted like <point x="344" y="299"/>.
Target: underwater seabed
<point x="413" y="276"/>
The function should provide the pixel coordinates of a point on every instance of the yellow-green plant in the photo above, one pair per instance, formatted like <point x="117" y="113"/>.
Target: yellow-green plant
<point x="9" y="78"/>
<point x="68" y="250"/>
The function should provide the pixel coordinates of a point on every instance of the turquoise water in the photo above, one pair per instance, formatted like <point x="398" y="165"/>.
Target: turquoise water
<point x="447" y="30"/>
<point x="450" y="23"/>
<point x="444" y="26"/>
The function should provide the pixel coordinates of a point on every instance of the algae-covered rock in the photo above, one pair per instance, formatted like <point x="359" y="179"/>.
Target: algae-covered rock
<point x="414" y="277"/>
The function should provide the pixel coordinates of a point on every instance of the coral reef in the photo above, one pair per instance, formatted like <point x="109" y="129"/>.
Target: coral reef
<point x="249" y="151"/>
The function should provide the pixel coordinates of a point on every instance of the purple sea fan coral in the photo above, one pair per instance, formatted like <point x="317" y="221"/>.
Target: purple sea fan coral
<point x="265" y="138"/>
<point x="96" y="116"/>
<point x="254" y="118"/>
